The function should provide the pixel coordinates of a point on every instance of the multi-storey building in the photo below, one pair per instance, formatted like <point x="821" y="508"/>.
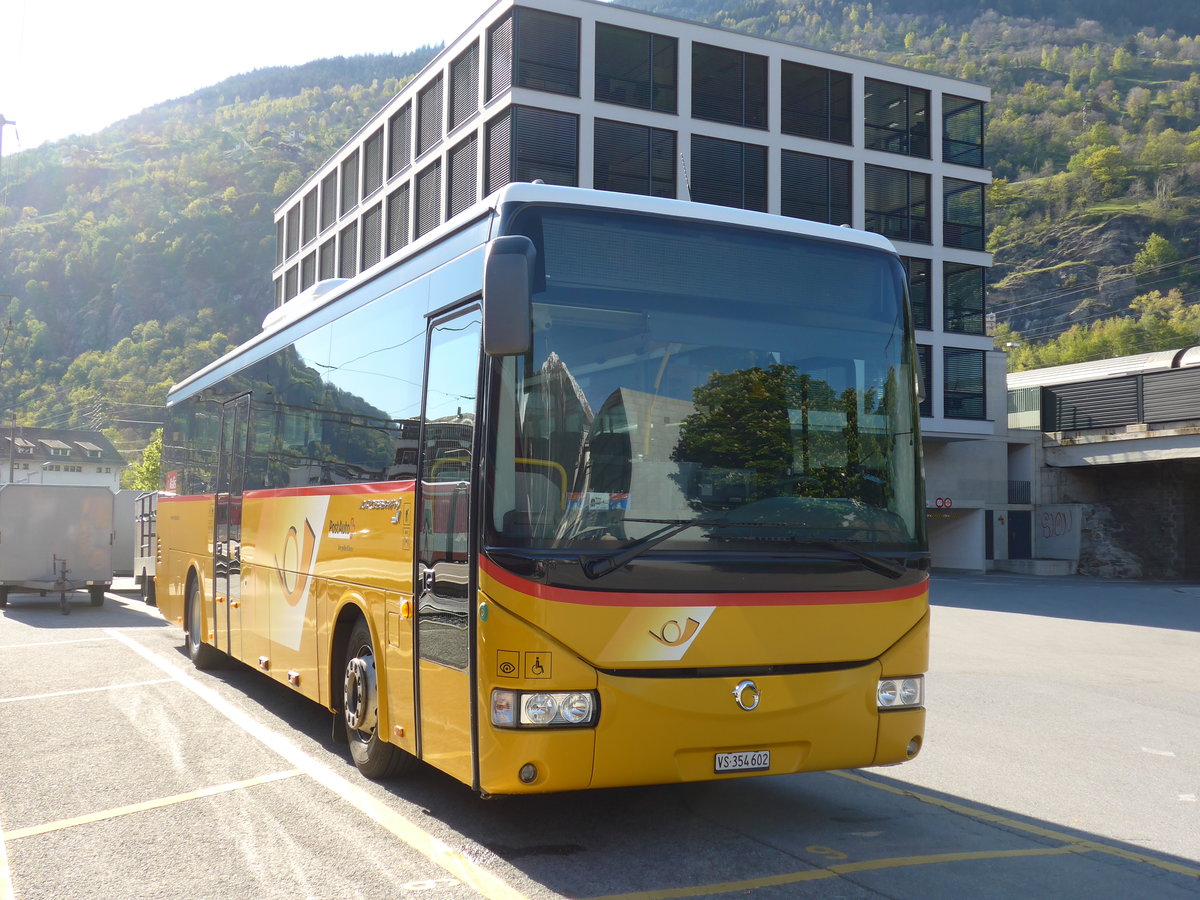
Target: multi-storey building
<point x="582" y="93"/>
<point x="59" y="456"/>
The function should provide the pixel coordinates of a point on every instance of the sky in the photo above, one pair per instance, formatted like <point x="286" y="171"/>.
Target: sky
<point x="75" y="66"/>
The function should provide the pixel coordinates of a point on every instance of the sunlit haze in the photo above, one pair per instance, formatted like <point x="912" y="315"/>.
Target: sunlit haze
<point x="76" y="66"/>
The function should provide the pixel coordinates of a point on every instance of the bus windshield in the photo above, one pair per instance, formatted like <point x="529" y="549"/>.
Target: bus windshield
<point x="757" y="384"/>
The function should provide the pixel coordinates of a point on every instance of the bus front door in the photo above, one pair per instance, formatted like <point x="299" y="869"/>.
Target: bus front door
<point x="444" y="581"/>
<point x="227" y="525"/>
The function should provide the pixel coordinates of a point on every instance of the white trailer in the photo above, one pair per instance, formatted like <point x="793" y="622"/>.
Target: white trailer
<point x="56" y="537"/>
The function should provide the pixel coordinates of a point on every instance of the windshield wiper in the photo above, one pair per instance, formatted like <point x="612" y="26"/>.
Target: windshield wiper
<point x="599" y="566"/>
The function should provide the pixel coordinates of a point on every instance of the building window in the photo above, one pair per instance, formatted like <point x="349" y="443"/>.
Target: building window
<point x="815" y="187"/>
<point x="897" y="204"/>
<point x="962" y="298"/>
<point x="372" y="235"/>
<point x="329" y="199"/>
<point x="919" y="293"/>
<point x="729" y="173"/>
<point x="634" y="159"/>
<point x="464" y="85"/>
<point x="962" y="224"/>
<point x="349" y="183"/>
<point x="925" y="374"/>
<point x="348" y="251"/>
<point x="815" y="102"/>
<point x="896" y="118"/>
<point x="636" y="68"/>
<point x="429" y="115"/>
<point x="525" y="143"/>
<point x="962" y="131"/>
<point x="326" y="258"/>
<point x="309" y="224"/>
<point x="428" y="202"/>
<point x="400" y="140"/>
<point x="962" y="377"/>
<point x="293" y="231"/>
<point x="463" y="161"/>
<point x="397" y="217"/>
<point x="372" y="163"/>
<point x="308" y="271"/>
<point x="280" y="240"/>
<point x="290" y="282"/>
<point x="531" y="48"/>
<point x="729" y="86"/>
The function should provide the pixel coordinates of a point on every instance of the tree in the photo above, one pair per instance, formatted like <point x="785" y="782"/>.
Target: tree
<point x="147" y="474"/>
<point x="1156" y="253"/>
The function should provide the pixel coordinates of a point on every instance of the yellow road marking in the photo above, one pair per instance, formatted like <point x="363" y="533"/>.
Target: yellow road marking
<point x="148" y="805"/>
<point x="453" y="861"/>
<point x="822" y="874"/>
<point x="1029" y="828"/>
<point x="91" y="690"/>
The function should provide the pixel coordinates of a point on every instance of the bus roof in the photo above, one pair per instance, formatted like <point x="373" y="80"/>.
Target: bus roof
<point x="327" y="291"/>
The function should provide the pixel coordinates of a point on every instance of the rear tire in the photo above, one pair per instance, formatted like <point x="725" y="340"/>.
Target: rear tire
<point x="203" y="656"/>
<point x="374" y="757"/>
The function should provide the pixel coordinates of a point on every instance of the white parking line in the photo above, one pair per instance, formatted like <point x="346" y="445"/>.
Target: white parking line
<point x="91" y="690"/>
<point x="434" y="849"/>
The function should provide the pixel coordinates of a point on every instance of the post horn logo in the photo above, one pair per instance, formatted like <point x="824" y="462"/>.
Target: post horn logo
<point x="672" y="634"/>
<point x="746" y="695"/>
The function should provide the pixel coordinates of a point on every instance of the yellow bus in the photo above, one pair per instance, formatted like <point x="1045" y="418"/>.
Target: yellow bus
<point x="586" y="490"/>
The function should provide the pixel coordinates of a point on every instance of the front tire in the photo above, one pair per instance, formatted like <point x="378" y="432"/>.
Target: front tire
<point x="374" y="757"/>
<point x="203" y="656"/>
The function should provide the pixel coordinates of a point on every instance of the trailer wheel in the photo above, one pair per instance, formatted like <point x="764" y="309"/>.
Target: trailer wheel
<point x="97" y="595"/>
<point x="374" y="757"/>
<point x="203" y="656"/>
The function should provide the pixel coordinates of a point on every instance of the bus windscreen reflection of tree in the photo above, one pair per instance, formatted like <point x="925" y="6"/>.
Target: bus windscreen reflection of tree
<point x="759" y="433"/>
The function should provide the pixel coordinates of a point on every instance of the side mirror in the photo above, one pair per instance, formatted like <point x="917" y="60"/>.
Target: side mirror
<point x="508" y="296"/>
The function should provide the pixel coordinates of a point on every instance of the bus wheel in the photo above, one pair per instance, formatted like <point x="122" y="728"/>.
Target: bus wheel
<point x="204" y="656"/>
<point x="374" y="757"/>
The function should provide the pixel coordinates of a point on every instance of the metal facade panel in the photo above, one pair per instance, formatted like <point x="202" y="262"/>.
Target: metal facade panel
<point x="1092" y="404"/>
<point x="1171" y="396"/>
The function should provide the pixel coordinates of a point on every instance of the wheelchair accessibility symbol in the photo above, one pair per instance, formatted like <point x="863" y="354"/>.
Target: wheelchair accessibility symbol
<point x="537" y="664"/>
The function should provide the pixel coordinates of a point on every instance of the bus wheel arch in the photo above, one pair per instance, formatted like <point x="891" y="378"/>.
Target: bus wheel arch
<point x="203" y="656"/>
<point x="356" y="699"/>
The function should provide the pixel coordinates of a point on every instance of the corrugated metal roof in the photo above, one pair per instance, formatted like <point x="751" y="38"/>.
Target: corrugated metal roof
<point x="1105" y="368"/>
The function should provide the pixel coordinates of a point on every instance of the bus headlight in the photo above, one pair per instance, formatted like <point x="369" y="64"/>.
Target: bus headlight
<point x="540" y="709"/>
<point x="901" y="693"/>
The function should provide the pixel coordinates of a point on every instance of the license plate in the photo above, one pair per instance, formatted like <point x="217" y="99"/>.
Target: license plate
<point x="744" y="761"/>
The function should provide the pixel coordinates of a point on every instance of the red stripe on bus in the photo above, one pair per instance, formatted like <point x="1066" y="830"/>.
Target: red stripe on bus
<point x="618" y="598"/>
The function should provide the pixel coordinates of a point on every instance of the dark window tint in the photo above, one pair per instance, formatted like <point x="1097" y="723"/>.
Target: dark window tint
<point x="547" y="55"/>
<point x="815" y="102"/>
<point x="326" y="260"/>
<point x="429" y="115"/>
<point x="372" y="235"/>
<point x="349" y="183"/>
<point x="636" y="68"/>
<point x="729" y="86"/>
<point x="309" y="225"/>
<point x="348" y="251"/>
<point x="963" y="210"/>
<point x="963" y="379"/>
<point x="963" y="298"/>
<point x="372" y="163"/>
<point x="896" y="118"/>
<point x="428" y="201"/>
<point x="815" y="187"/>
<point x="634" y="159"/>
<point x="962" y="131"/>
<point x="400" y="140"/>
<point x="897" y="204"/>
<point x="464" y="86"/>
<point x="729" y="173"/>
<point x="329" y="199"/>
<point x="397" y="218"/>
<point x="919" y="292"/>
<point x="463" y="160"/>
<point x="544" y="144"/>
